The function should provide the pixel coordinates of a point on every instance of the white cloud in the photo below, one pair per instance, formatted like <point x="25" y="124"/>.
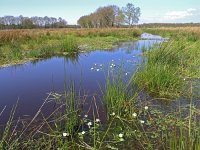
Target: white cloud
<point x="191" y="9"/>
<point x="188" y="15"/>
<point x="179" y="14"/>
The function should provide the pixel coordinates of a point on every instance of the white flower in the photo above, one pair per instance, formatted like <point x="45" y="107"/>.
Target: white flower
<point x="83" y="132"/>
<point x="101" y="65"/>
<point x="184" y="79"/>
<point x="121" y="135"/>
<point x="97" y="120"/>
<point x="146" y="107"/>
<point x="113" y="65"/>
<point x="89" y="124"/>
<point x="65" y="134"/>
<point x="92" y="68"/>
<point x="134" y="115"/>
<point x="126" y="74"/>
<point x="113" y="114"/>
<point x="86" y="116"/>
<point x="142" y="121"/>
<point x="97" y="69"/>
<point x="121" y="139"/>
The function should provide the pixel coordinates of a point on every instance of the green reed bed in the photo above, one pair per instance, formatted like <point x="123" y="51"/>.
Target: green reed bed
<point x="128" y="125"/>
<point x="169" y="66"/>
<point x="131" y="127"/>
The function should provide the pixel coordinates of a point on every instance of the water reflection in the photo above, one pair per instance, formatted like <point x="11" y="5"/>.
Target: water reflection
<point x="30" y="83"/>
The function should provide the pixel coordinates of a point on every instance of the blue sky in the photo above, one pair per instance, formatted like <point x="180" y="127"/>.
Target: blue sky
<point x="174" y="11"/>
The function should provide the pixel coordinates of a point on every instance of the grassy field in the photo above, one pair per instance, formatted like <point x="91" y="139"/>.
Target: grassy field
<point x="17" y="46"/>
<point x="170" y="72"/>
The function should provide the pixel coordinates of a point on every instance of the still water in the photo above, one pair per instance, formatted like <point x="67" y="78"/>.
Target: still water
<point x="30" y="83"/>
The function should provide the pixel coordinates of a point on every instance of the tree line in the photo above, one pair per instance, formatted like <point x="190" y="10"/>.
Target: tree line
<point x="157" y="25"/>
<point x="111" y="16"/>
<point x="20" y="22"/>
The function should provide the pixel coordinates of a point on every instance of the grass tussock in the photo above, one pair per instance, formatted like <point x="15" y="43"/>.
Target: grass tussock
<point x="170" y="66"/>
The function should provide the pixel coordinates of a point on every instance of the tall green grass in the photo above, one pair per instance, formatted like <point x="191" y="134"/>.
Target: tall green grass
<point x="69" y="44"/>
<point x="168" y="68"/>
<point x="115" y="93"/>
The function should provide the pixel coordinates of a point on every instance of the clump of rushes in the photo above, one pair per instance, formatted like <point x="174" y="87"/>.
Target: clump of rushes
<point x="2" y="56"/>
<point x="69" y="44"/>
<point x="15" y="53"/>
<point x="167" y="66"/>
<point x="34" y="54"/>
<point x="115" y="95"/>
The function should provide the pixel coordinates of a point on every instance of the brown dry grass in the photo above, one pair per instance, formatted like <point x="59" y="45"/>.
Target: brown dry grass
<point x="180" y="29"/>
<point x="24" y="34"/>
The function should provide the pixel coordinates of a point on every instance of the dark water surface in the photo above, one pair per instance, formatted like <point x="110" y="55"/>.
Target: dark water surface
<point x="30" y="83"/>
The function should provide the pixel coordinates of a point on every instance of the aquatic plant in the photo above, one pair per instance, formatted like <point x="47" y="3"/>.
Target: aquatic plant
<point x="69" y="44"/>
<point x="166" y="67"/>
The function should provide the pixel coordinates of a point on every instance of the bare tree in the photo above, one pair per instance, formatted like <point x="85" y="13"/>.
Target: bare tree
<point x="11" y="22"/>
<point x="131" y="13"/>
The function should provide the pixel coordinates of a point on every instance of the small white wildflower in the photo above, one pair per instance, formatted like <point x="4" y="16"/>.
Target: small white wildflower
<point x="142" y="121"/>
<point x="92" y="68"/>
<point x="86" y="116"/>
<point x="89" y="124"/>
<point x="95" y="64"/>
<point x="134" y="115"/>
<point x="97" y="120"/>
<point x="113" y="65"/>
<point x="146" y="107"/>
<point x="126" y="74"/>
<point x="121" y="139"/>
<point x="101" y="65"/>
<point x="83" y="132"/>
<point x="97" y="69"/>
<point x="184" y="79"/>
<point x="121" y="135"/>
<point x="65" y="134"/>
<point x="113" y="114"/>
